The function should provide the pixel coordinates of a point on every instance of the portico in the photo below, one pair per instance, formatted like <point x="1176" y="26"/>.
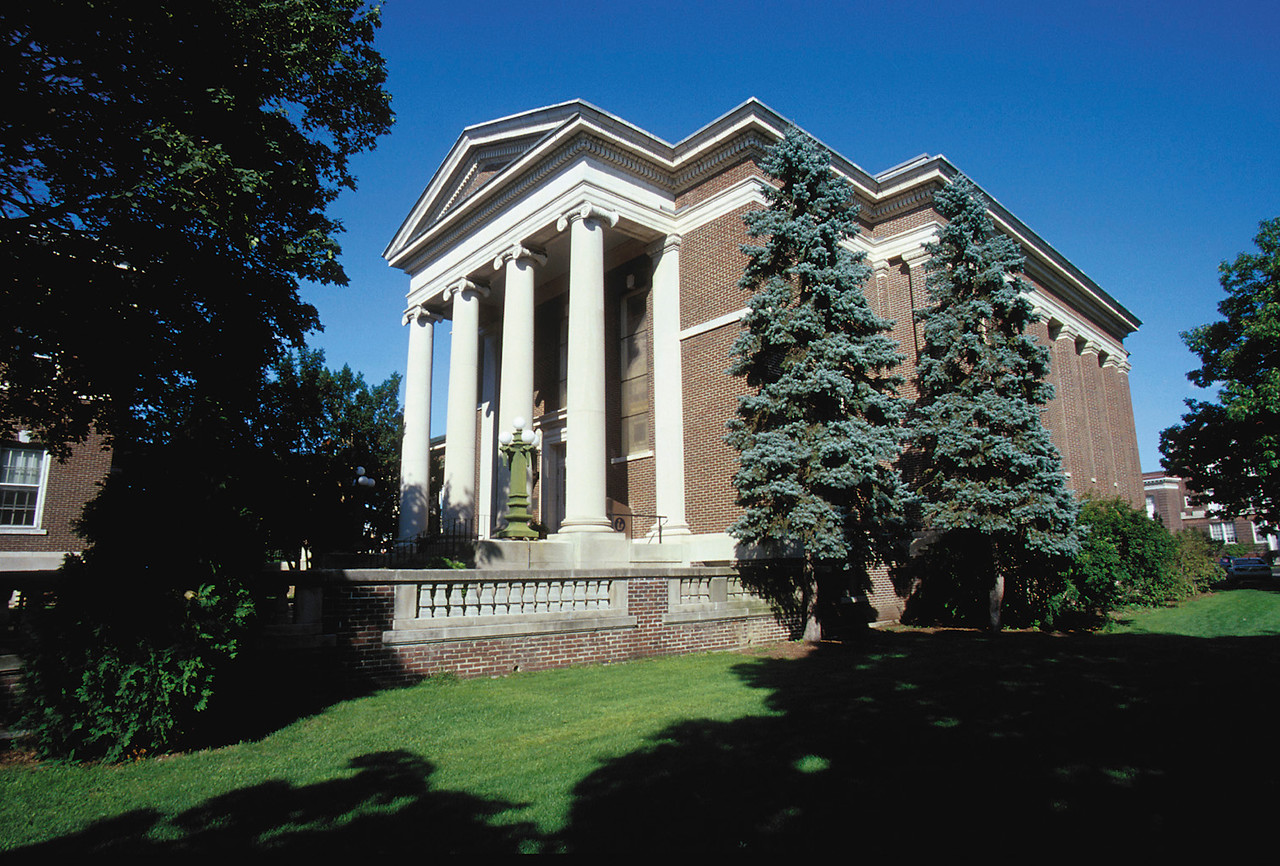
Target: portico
<point x="530" y="288"/>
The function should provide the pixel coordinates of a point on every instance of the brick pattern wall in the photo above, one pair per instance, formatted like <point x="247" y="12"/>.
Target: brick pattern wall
<point x="711" y="263"/>
<point x="358" y="614"/>
<point x="1125" y="435"/>
<point x="70" y="485"/>
<point x="733" y="173"/>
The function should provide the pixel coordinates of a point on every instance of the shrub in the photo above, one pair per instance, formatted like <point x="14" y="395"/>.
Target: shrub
<point x="950" y="582"/>
<point x="1144" y="573"/>
<point x="1195" y="561"/>
<point x="119" y="668"/>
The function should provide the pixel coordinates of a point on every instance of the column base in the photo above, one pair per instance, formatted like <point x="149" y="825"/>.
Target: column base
<point x="586" y="524"/>
<point x="670" y="530"/>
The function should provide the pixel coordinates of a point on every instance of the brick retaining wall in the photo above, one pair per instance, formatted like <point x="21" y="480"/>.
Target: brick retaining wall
<point x="358" y="622"/>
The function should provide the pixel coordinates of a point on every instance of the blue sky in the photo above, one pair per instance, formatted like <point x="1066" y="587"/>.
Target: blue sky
<point x="1139" y="139"/>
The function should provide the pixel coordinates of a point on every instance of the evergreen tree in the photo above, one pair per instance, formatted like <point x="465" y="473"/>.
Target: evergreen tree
<point x="819" y="431"/>
<point x="987" y="472"/>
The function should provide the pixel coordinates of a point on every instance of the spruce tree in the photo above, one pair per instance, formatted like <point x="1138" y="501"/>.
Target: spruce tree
<point x="988" y="475"/>
<point x="820" y="430"/>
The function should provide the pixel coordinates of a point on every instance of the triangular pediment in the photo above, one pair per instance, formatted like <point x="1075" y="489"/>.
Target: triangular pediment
<point x="480" y="154"/>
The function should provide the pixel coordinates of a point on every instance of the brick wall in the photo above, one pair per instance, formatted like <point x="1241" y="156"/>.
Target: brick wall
<point x="70" y="485"/>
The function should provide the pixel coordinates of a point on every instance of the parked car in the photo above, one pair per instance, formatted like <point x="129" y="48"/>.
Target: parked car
<point x="1248" y="566"/>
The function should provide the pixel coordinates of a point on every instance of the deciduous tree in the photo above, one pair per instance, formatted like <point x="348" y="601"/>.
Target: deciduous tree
<point x="1230" y="448"/>
<point x="316" y="428"/>
<point x="986" y="470"/>
<point x="164" y="173"/>
<point x="820" y="429"/>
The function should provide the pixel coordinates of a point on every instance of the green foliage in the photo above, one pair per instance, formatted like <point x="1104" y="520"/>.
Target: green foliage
<point x="1232" y="446"/>
<point x="1195" y="561"/>
<point x="139" y="641"/>
<point x="123" y="667"/>
<point x="1145" y="571"/>
<point x="820" y="429"/>
<point x="164" y="173"/>
<point x="985" y="465"/>
<point x="314" y="428"/>
<point x="1238" y="548"/>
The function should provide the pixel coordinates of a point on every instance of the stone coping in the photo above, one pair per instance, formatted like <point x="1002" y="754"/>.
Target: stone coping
<point x="432" y="575"/>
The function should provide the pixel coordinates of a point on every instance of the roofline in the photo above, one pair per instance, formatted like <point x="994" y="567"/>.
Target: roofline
<point x="749" y="114"/>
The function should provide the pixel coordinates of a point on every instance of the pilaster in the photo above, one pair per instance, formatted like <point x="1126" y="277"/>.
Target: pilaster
<point x="668" y="378"/>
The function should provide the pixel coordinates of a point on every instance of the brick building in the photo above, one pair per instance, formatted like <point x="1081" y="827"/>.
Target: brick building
<point x="590" y="270"/>
<point x="1169" y="501"/>
<point x="40" y="500"/>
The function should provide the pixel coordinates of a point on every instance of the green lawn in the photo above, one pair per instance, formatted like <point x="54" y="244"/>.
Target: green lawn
<point x="1022" y="738"/>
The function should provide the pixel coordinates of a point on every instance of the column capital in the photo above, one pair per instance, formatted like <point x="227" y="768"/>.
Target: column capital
<point x="585" y="211"/>
<point x="664" y="245"/>
<point x="420" y="313"/>
<point x="1086" y="346"/>
<point x="516" y="252"/>
<point x="1114" y="359"/>
<point x="1060" y="330"/>
<point x="479" y="290"/>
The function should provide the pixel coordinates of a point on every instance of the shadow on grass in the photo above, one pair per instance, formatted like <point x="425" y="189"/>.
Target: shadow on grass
<point x="918" y="740"/>
<point x="912" y="740"/>
<point x="387" y="807"/>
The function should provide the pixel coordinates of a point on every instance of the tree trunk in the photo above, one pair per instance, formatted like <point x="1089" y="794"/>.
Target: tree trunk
<point x="997" y="602"/>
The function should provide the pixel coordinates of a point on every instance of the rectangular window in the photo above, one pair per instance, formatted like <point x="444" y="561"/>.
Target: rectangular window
<point x="22" y="475"/>
<point x="633" y="366"/>
<point x="1224" y="532"/>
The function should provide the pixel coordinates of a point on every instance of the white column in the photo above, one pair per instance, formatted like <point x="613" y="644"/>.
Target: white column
<point x="415" y="453"/>
<point x="488" y="438"/>
<point x="515" y="394"/>
<point x="586" y="457"/>
<point x="668" y="387"/>
<point x="460" y="424"/>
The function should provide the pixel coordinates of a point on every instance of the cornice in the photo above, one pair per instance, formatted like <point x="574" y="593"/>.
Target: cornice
<point x="482" y="155"/>
<point x="903" y="201"/>
<point x="751" y="142"/>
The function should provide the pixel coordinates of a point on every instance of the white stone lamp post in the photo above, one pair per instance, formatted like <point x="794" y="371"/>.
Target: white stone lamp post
<point x="519" y="455"/>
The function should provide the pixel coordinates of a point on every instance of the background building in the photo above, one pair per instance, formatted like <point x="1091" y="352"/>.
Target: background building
<point x="41" y="498"/>
<point x="1169" y="501"/>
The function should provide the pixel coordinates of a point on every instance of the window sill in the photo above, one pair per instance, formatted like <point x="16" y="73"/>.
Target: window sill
<point x="22" y="530"/>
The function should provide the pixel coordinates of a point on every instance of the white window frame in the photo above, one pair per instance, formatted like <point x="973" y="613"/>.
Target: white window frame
<point x="1220" y="531"/>
<point x="37" y="528"/>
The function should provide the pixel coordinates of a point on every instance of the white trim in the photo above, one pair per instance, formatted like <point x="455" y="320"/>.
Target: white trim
<point x="712" y="324"/>
<point x="42" y="489"/>
<point x="744" y="192"/>
<point x="639" y="455"/>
